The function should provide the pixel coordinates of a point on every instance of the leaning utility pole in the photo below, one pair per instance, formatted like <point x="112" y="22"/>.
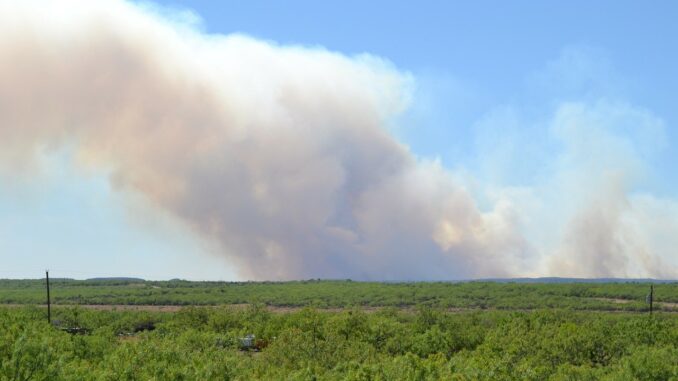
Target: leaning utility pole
<point x="49" y="311"/>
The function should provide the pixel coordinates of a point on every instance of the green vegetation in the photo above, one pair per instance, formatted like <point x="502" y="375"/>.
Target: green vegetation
<point x="418" y="331"/>
<point x="325" y="294"/>
<point x="427" y="344"/>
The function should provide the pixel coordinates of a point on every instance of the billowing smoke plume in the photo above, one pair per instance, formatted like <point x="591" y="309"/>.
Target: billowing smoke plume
<point x="280" y="154"/>
<point x="282" y="157"/>
<point x="604" y="229"/>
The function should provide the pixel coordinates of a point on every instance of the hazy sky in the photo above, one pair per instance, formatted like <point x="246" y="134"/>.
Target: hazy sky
<point x="523" y="103"/>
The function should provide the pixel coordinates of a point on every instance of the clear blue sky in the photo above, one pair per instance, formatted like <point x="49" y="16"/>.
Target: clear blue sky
<point x="471" y="60"/>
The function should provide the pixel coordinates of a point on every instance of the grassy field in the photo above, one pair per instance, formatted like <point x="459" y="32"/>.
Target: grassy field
<point x="339" y="294"/>
<point x="336" y="330"/>
<point x="205" y="343"/>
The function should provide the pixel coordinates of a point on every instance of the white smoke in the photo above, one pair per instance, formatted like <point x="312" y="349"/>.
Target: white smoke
<point x="608" y="148"/>
<point x="279" y="153"/>
<point x="282" y="157"/>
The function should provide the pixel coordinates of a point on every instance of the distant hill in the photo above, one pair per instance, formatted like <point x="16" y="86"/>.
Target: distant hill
<point x="574" y="280"/>
<point x="493" y="280"/>
<point x="117" y="279"/>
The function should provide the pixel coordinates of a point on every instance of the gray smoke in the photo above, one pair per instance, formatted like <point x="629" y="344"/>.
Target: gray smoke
<point x="280" y="154"/>
<point x="605" y="229"/>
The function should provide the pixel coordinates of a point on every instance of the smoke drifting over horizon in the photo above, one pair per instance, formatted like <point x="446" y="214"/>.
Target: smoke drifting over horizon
<point x="282" y="155"/>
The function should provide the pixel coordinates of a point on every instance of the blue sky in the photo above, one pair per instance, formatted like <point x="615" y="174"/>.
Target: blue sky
<point x="470" y="58"/>
<point x="490" y="76"/>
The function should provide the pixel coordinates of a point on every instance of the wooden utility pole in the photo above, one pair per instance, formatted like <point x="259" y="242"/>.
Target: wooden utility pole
<point x="49" y="310"/>
<point x="651" y="297"/>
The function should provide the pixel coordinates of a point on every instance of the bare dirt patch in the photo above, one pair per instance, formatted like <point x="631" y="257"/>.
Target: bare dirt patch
<point x="664" y="306"/>
<point x="614" y="300"/>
